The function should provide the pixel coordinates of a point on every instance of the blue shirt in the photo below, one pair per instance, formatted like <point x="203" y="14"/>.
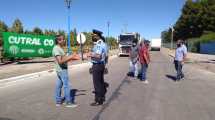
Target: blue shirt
<point x="106" y="49"/>
<point x="180" y="53"/>
<point x="101" y="49"/>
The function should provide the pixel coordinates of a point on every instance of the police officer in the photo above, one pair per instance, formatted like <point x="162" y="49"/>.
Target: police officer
<point x="98" y="60"/>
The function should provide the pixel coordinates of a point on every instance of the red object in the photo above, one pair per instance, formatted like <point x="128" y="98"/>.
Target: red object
<point x="144" y="55"/>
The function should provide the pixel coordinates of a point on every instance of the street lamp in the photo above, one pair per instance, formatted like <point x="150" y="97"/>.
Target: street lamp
<point x="172" y="29"/>
<point x="125" y="25"/>
<point x="108" y="25"/>
<point x="68" y="5"/>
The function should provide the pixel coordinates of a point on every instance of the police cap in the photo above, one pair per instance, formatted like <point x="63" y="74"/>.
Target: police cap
<point x="97" y="32"/>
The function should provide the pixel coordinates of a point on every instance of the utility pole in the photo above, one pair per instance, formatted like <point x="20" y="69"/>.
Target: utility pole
<point x="68" y="5"/>
<point x="172" y="29"/>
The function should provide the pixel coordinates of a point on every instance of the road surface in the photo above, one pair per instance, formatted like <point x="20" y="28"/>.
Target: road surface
<point x="127" y="98"/>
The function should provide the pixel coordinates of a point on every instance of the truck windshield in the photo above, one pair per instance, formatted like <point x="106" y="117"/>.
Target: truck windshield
<point x="126" y="39"/>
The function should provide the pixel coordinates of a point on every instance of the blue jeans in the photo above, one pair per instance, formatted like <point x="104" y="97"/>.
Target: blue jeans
<point x="178" y="68"/>
<point x="63" y="81"/>
<point x="143" y="71"/>
<point x="133" y="68"/>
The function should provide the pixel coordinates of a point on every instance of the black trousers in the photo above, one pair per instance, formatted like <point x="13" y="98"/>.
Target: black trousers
<point x="98" y="81"/>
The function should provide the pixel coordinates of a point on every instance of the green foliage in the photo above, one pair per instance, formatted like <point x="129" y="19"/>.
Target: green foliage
<point x="89" y="41"/>
<point x="50" y="32"/>
<point x="37" y="31"/>
<point x="27" y="32"/>
<point x="166" y="36"/>
<point x="3" y="28"/>
<point x="61" y="32"/>
<point x="17" y="26"/>
<point x="197" y="17"/>
<point x="111" y="41"/>
<point x="190" y="22"/>
<point x="73" y="41"/>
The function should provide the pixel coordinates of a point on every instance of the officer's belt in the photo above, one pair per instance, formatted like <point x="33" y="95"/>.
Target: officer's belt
<point x="95" y="63"/>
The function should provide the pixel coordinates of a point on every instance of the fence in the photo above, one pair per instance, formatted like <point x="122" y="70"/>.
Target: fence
<point x="192" y="46"/>
<point x="207" y="48"/>
<point x="168" y="45"/>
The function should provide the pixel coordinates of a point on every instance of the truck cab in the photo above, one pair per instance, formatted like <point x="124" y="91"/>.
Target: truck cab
<point x="125" y="42"/>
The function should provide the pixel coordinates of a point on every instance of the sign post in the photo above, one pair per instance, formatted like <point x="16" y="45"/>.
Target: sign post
<point x="81" y="40"/>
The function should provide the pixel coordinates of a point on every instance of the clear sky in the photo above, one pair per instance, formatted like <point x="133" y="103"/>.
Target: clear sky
<point x="148" y="17"/>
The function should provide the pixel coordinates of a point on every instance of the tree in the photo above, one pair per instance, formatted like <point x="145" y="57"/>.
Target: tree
<point x="37" y="31"/>
<point x="196" y="18"/>
<point x="28" y="32"/>
<point x="166" y="36"/>
<point x="72" y="43"/>
<point x="61" y="32"/>
<point x="208" y="16"/>
<point x="3" y="28"/>
<point x="17" y="26"/>
<point x="73" y="37"/>
<point x="50" y="32"/>
<point x="111" y="41"/>
<point x="190" y="22"/>
<point x="89" y="41"/>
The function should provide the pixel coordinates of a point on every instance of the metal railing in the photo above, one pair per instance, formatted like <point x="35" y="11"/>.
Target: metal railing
<point x="168" y="45"/>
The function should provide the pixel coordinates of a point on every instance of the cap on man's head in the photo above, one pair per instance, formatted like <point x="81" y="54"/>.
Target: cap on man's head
<point x="146" y="41"/>
<point x="180" y="41"/>
<point x="97" y="32"/>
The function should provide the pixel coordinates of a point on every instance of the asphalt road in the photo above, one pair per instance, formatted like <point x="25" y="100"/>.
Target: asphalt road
<point x="127" y="98"/>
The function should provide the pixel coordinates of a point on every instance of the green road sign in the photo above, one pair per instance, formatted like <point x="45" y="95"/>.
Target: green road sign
<point x="26" y="45"/>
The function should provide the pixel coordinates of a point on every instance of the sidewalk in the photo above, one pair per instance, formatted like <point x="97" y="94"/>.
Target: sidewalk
<point x="35" y="65"/>
<point x="202" y="61"/>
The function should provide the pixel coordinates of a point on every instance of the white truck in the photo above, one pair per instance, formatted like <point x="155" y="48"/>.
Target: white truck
<point x="125" y="42"/>
<point x="156" y="44"/>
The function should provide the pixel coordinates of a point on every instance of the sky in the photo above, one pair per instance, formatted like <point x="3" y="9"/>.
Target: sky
<point x="148" y="17"/>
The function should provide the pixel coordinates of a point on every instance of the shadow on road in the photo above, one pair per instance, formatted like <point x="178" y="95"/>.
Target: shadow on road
<point x="76" y="92"/>
<point x="30" y="62"/>
<point x="114" y="96"/>
<point x="5" y="118"/>
<point x="171" y="77"/>
<point x="6" y="63"/>
<point x="123" y="56"/>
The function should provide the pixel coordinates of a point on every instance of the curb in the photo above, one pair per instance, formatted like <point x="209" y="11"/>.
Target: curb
<point x="6" y="81"/>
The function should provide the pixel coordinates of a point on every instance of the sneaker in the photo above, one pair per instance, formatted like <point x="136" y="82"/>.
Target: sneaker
<point x="96" y="104"/>
<point x="71" y="105"/>
<point x="182" y="77"/>
<point x="145" y="82"/>
<point x="58" y="104"/>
